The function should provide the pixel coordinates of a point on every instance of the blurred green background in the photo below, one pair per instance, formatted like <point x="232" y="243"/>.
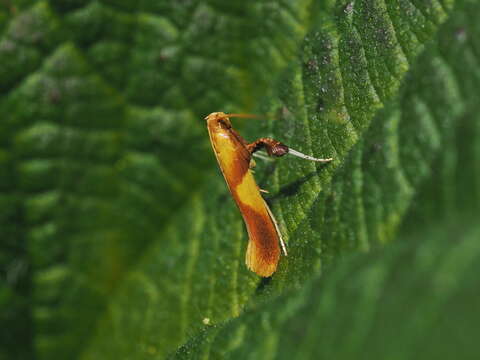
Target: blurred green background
<point x="118" y="238"/>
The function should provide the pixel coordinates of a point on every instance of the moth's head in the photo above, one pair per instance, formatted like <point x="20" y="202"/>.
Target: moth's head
<point x="218" y="117"/>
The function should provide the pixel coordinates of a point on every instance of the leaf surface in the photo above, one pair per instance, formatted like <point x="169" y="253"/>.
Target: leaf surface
<point x="121" y="239"/>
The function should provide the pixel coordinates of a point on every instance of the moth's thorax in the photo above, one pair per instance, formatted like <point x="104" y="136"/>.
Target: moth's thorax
<point x="232" y="156"/>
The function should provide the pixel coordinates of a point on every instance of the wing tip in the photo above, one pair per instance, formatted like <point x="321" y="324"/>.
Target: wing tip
<point x="263" y="265"/>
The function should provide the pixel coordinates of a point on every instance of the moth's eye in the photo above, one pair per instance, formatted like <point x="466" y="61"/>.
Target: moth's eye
<point x="226" y="122"/>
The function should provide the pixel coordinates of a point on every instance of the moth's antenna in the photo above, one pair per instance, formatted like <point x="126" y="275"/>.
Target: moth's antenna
<point x="245" y="116"/>
<point x="306" y="157"/>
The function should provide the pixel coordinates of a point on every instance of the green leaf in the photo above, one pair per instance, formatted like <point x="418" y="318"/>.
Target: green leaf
<point x="417" y="299"/>
<point x="120" y="239"/>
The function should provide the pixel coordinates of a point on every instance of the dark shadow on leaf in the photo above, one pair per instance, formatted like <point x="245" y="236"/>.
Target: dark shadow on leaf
<point x="263" y="284"/>
<point x="267" y="172"/>
<point x="293" y="188"/>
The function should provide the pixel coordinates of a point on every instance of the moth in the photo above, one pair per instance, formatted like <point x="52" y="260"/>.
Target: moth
<point x="234" y="157"/>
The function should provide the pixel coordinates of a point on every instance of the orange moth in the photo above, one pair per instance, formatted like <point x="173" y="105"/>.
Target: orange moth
<point x="234" y="156"/>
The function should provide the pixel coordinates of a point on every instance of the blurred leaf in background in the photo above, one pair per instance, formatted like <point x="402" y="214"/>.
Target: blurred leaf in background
<point x="118" y="236"/>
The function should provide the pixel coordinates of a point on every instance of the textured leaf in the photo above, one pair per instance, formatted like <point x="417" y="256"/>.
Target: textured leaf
<point x="416" y="300"/>
<point x="99" y="142"/>
<point x="120" y="240"/>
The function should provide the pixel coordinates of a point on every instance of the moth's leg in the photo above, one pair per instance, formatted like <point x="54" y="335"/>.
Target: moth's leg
<point x="276" y="148"/>
<point x="261" y="156"/>
<point x="307" y="157"/>
<point x="273" y="147"/>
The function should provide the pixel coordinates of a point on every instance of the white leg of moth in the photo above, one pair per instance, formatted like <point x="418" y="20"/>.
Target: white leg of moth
<point x="282" y="244"/>
<point x="262" y="156"/>
<point x="306" y="157"/>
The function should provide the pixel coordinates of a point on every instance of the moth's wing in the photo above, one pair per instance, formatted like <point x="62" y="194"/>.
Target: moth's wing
<point x="263" y="250"/>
